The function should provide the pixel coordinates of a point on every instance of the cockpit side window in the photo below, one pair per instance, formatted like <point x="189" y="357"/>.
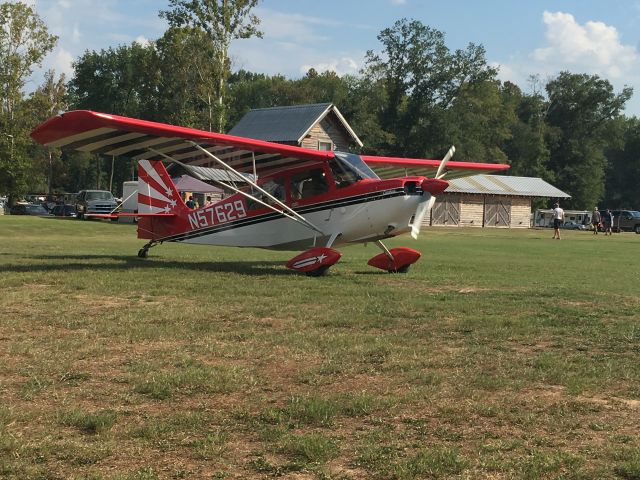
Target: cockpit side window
<point x="308" y="184"/>
<point x="275" y="187"/>
<point x="342" y="176"/>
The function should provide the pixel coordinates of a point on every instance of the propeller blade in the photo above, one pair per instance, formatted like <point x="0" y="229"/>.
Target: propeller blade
<point x="440" y="173"/>
<point x="421" y="211"/>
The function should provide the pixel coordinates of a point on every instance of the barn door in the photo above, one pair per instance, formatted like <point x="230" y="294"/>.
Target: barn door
<point x="446" y="210"/>
<point x="497" y="212"/>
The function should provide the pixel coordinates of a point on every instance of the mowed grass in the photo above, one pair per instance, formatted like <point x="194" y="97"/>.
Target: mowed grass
<point x="501" y="354"/>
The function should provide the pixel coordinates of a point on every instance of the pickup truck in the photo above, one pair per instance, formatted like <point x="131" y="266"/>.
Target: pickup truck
<point x="94" y="201"/>
<point x="626" y="221"/>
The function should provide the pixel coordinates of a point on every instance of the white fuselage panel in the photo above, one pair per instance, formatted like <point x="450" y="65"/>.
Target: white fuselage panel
<point x="360" y="222"/>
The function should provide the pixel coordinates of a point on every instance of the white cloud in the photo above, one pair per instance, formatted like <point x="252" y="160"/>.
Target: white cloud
<point x="594" y="47"/>
<point x="340" y="66"/>
<point x="140" y="39"/>
<point x="76" y="35"/>
<point x="398" y="2"/>
<point x="293" y="43"/>
<point x="63" y="62"/>
<point x="292" y="26"/>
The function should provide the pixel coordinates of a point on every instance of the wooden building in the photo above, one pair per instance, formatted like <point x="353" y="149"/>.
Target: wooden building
<point x="490" y="201"/>
<point x="319" y="126"/>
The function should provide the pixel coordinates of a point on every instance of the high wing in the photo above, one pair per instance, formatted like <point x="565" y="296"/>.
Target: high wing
<point x="106" y="134"/>
<point x="392" y="167"/>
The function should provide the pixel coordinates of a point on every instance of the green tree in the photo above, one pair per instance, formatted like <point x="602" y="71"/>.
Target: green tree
<point x="119" y="80"/>
<point x="45" y="102"/>
<point x="622" y="175"/>
<point x="125" y="81"/>
<point x="222" y="21"/>
<point x="187" y="78"/>
<point x="478" y="122"/>
<point x="526" y="147"/>
<point x="249" y="90"/>
<point x="582" y="113"/>
<point x="422" y="79"/>
<point x="24" y="42"/>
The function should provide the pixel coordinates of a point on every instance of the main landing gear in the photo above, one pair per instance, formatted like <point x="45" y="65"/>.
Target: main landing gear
<point x="314" y="262"/>
<point x="396" y="260"/>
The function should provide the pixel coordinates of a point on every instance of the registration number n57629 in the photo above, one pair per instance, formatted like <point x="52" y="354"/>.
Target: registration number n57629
<point x="217" y="214"/>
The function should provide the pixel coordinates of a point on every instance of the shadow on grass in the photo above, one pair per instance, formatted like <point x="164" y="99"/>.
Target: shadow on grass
<point x="77" y="263"/>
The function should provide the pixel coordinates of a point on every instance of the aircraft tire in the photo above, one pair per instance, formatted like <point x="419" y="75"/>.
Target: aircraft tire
<point x="142" y="253"/>
<point x="402" y="269"/>
<point x="318" y="272"/>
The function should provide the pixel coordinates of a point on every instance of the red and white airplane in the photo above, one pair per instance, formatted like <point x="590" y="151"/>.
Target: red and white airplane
<point x="290" y="198"/>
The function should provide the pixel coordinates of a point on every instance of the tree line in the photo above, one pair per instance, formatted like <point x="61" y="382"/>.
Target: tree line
<point x="413" y="97"/>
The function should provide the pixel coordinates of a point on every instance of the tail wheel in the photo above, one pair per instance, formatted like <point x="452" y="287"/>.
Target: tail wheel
<point x="142" y="253"/>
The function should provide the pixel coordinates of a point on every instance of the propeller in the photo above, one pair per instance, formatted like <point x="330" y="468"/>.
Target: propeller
<point x="427" y="205"/>
<point x="441" y="173"/>
<point x="421" y="211"/>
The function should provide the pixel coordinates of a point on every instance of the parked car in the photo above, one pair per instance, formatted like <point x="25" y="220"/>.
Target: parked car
<point x="28" y="209"/>
<point x="63" y="211"/>
<point x="626" y="221"/>
<point x="573" y="225"/>
<point x="94" y="201"/>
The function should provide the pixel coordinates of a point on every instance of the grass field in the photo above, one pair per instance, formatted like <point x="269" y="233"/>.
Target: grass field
<point x="501" y="354"/>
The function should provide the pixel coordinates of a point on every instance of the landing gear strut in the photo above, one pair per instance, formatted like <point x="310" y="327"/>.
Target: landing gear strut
<point x="142" y="253"/>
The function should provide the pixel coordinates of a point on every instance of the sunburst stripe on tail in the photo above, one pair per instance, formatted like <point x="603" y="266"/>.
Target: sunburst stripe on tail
<point x="156" y="191"/>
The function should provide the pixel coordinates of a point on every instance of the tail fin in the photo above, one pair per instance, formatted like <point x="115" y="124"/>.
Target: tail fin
<point x="156" y="191"/>
<point x="158" y="200"/>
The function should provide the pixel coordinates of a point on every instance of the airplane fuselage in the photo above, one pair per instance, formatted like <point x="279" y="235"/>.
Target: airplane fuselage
<point x="365" y="211"/>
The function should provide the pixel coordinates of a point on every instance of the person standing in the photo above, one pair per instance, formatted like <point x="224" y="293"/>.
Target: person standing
<point x="608" y="221"/>
<point x="595" y="220"/>
<point x="558" y="219"/>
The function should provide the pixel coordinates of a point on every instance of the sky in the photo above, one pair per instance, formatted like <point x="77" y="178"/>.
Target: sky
<point x="521" y="38"/>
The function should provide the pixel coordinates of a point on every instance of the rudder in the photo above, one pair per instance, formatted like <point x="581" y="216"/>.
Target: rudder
<point x="157" y="195"/>
<point x="156" y="191"/>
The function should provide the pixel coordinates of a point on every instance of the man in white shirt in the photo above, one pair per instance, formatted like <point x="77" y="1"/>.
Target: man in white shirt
<point x="558" y="219"/>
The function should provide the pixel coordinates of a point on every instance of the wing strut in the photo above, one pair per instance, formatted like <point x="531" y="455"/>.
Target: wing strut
<point x="287" y="211"/>
<point x="255" y="185"/>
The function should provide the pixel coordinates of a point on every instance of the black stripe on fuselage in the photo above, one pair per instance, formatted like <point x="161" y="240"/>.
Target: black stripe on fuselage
<point x="342" y="202"/>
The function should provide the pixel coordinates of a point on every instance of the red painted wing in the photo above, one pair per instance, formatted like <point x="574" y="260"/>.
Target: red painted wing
<point x="106" y="134"/>
<point x="391" y="167"/>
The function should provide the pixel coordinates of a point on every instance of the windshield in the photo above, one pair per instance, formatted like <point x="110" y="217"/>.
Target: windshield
<point x="635" y="213"/>
<point x="348" y="168"/>
<point x="99" y="196"/>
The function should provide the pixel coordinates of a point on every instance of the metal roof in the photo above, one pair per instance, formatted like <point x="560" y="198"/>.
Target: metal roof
<point x="287" y="124"/>
<point x="504" y="185"/>
<point x="217" y="174"/>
